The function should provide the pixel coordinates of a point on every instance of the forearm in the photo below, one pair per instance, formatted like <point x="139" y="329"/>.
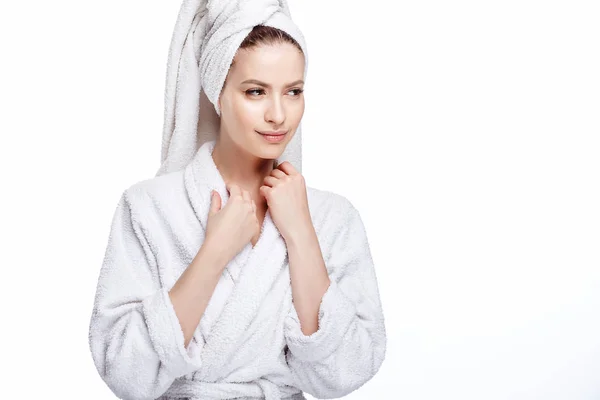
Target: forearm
<point x="308" y="275"/>
<point x="191" y="293"/>
<point x="349" y="346"/>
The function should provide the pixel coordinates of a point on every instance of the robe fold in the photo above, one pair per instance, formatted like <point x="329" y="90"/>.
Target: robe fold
<point x="248" y="343"/>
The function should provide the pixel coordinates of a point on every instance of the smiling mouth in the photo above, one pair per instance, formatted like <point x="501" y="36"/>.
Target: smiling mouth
<point x="276" y="133"/>
<point x="273" y="137"/>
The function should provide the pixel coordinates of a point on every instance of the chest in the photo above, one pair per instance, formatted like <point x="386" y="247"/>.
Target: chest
<point x="260" y="215"/>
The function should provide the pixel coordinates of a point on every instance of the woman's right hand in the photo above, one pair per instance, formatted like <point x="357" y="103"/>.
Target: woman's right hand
<point x="229" y="229"/>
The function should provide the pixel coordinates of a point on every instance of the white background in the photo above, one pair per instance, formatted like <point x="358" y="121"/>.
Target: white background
<point x="467" y="134"/>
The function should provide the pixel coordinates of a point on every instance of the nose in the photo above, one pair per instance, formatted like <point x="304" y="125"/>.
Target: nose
<point x="275" y="112"/>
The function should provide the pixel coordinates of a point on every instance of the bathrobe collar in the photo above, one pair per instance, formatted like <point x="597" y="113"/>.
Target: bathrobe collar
<point x="259" y="265"/>
<point x="201" y="177"/>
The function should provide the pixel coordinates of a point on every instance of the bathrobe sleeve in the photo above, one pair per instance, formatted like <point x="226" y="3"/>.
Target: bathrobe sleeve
<point x="135" y="338"/>
<point x="349" y="346"/>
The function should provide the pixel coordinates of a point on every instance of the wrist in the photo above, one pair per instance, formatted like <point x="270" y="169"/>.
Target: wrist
<point x="299" y="237"/>
<point x="212" y="257"/>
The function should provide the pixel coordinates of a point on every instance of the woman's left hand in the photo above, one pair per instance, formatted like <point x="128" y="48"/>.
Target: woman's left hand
<point x="285" y="192"/>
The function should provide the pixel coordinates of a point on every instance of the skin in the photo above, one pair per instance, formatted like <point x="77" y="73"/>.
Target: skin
<point x="244" y="158"/>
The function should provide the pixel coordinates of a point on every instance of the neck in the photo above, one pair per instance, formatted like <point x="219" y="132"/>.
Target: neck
<point x="240" y="167"/>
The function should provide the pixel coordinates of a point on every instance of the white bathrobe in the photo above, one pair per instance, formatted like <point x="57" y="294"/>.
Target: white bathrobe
<point x="248" y="343"/>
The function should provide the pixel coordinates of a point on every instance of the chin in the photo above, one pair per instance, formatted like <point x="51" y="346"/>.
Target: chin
<point x="272" y="150"/>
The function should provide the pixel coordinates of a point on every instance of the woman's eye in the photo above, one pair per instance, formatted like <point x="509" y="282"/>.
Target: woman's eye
<point x="258" y="92"/>
<point x="254" y="92"/>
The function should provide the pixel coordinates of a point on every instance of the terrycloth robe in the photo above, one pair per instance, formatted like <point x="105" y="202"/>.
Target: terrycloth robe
<point x="248" y="343"/>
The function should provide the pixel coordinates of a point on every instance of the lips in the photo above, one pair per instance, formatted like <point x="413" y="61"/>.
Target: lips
<point x="274" y="133"/>
<point x="273" y="136"/>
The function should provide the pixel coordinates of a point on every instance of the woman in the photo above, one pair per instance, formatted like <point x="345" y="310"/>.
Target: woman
<point x="230" y="278"/>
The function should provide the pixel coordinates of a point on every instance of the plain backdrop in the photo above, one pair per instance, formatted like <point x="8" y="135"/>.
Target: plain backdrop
<point x="466" y="133"/>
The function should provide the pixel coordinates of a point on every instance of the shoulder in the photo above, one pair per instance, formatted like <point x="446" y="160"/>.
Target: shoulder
<point x="339" y="228"/>
<point x="162" y="191"/>
<point x="325" y="201"/>
<point x="329" y="210"/>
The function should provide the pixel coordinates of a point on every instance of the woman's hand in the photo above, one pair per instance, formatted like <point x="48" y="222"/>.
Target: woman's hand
<point x="285" y="192"/>
<point x="231" y="228"/>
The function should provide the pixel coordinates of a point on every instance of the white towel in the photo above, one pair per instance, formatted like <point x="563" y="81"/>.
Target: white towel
<point x="206" y="37"/>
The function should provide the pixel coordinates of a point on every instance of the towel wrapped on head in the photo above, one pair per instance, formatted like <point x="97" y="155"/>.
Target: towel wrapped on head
<point x="206" y="38"/>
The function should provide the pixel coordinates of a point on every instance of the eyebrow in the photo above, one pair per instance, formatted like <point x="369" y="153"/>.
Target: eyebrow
<point x="257" y="82"/>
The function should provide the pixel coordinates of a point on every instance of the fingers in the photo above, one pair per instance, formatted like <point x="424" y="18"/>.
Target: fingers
<point x="277" y="173"/>
<point x="270" y="181"/>
<point x="288" y="168"/>
<point x="215" y="202"/>
<point x="237" y="192"/>
<point x="246" y="196"/>
<point x="234" y="190"/>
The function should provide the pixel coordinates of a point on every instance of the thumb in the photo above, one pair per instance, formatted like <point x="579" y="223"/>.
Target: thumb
<point x="215" y="202"/>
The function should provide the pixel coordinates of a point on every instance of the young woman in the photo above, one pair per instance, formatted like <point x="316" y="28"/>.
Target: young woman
<point x="230" y="278"/>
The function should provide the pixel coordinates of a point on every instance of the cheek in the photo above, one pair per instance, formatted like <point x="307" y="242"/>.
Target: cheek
<point x="297" y="111"/>
<point x="248" y="114"/>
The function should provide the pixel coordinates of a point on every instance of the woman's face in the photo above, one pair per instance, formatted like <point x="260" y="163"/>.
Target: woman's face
<point x="263" y="92"/>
